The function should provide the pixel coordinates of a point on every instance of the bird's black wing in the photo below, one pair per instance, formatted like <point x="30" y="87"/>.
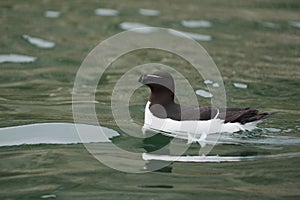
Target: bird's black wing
<point x="180" y="113"/>
<point x="241" y="115"/>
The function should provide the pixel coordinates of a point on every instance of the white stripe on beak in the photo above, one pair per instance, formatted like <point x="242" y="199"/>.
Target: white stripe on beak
<point x="155" y="76"/>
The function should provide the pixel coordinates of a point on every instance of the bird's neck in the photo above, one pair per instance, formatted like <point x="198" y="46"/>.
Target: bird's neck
<point x="161" y="95"/>
<point x="163" y="103"/>
<point x="161" y="100"/>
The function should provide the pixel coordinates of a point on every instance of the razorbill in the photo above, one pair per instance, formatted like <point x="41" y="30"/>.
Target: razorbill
<point x="163" y="114"/>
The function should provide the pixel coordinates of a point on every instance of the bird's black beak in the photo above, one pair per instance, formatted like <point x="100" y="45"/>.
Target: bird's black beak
<point x="142" y="79"/>
<point x="151" y="79"/>
<point x="163" y="79"/>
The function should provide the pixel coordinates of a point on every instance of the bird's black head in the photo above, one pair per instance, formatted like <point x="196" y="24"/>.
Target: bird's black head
<point x="163" y="79"/>
<point x="162" y="87"/>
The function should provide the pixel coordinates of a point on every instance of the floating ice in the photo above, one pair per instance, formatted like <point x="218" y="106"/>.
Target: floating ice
<point x="295" y="24"/>
<point x="106" y="12"/>
<point x="288" y="130"/>
<point x="195" y="36"/>
<point x="41" y="43"/>
<point x="196" y="23"/>
<point x="54" y="133"/>
<point x="132" y="25"/>
<point x="149" y="12"/>
<point x="139" y="27"/>
<point x="48" y="196"/>
<point x="240" y="85"/>
<point x="204" y="93"/>
<point x="273" y="130"/>
<point x="16" y="58"/>
<point x="52" y="14"/>
<point x="215" y="85"/>
<point x="208" y="82"/>
<point x="270" y="25"/>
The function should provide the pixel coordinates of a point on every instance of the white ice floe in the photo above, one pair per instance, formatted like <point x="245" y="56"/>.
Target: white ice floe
<point x="215" y="85"/>
<point x="195" y="36"/>
<point x="54" y="133"/>
<point x="288" y="130"/>
<point x="270" y="25"/>
<point x="38" y="42"/>
<point x="295" y="24"/>
<point x="204" y="93"/>
<point x="136" y="27"/>
<point x="48" y="196"/>
<point x="149" y="12"/>
<point x="16" y="58"/>
<point x="52" y="14"/>
<point x="132" y="25"/>
<point x="106" y="12"/>
<point x="208" y="82"/>
<point x="240" y="85"/>
<point x="273" y="130"/>
<point x="196" y="23"/>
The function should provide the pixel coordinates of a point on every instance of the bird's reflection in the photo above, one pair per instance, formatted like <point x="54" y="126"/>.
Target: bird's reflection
<point x="159" y="144"/>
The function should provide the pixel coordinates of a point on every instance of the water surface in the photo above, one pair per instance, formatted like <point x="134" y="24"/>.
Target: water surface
<point x="38" y="89"/>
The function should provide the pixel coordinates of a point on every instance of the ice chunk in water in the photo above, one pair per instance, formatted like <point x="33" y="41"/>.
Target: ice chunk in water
<point x="106" y="12"/>
<point x="240" y="85"/>
<point x="195" y="36"/>
<point x="270" y="25"/>
<point x="273" y="130"/>
<point x="215" y="85"/>
<point x="295" y="24"/>
<point x="204" y="93"/>
<point x="41" y="43"/>
<point x="48" y="196"/>
<point x="208" y="82"/>
<point x="196" y="23"/>
<point x="132" y="25"/>
<point x="52" y="14"/>
<point x="140" y="28"/>
<point x="54" y="133"/>
<point x="149" y="12"/>
<point x="16" y="58"/>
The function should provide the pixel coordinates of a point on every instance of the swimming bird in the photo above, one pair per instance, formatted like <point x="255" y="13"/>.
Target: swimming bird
<point x="163" y="114"/>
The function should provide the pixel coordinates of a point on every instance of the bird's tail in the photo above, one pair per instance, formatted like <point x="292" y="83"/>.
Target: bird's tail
<point x="246" y="115"/>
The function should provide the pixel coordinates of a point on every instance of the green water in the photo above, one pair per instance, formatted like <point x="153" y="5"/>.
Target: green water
<point x="266" y="59"/>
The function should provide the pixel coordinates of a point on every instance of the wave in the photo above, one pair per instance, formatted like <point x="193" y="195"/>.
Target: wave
<point x="170" y="158"/>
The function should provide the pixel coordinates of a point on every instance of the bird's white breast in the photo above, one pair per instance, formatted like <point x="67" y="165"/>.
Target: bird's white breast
<point x="191" y="128"/>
